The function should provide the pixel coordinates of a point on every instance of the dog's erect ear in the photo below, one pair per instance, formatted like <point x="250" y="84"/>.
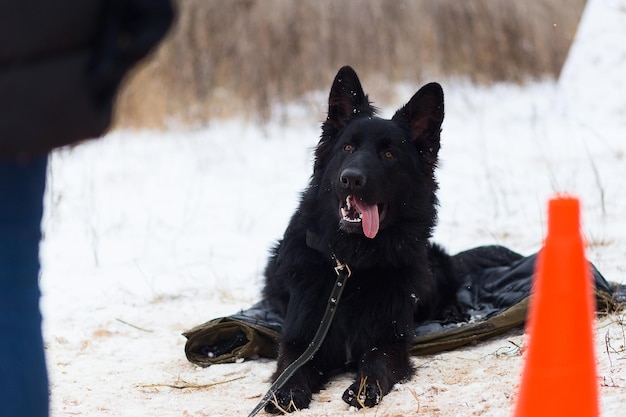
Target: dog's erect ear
<point x="424" y="115"/>
<point x="347" y="99"/>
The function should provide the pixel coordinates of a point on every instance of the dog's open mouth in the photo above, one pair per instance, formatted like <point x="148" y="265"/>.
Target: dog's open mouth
<point x="355" y="213"/>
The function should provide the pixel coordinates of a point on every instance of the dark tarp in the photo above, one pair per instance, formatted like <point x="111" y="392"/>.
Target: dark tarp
<point x="495" y="288"/>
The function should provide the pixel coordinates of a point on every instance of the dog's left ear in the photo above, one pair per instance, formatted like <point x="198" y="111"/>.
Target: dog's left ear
<point x="423" y="115"/>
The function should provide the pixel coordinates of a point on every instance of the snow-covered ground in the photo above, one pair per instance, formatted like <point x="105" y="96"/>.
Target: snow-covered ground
<point x="148" y="234"/>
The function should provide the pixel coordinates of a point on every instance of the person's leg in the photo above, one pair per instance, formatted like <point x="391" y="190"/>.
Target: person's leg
<point x="23" y="377"/>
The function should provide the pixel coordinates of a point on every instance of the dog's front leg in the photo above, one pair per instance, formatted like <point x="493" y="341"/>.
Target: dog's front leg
<point x="378" y="370"/>
<point x="298" y="391"/>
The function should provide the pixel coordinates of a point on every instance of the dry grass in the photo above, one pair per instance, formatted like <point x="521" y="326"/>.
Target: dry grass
<point x="241" y="56"/>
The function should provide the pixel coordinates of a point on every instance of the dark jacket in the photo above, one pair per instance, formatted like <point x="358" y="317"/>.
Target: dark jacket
<point x="61" y="63"/>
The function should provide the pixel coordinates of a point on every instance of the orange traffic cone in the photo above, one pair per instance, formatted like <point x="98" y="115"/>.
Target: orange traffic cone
<point x="559" y="376"/>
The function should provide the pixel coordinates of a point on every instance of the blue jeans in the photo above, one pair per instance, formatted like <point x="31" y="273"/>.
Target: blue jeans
<point x="23" y="377"/>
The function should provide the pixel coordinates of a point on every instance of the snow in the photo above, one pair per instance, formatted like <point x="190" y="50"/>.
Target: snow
<point x="148" y="234"/>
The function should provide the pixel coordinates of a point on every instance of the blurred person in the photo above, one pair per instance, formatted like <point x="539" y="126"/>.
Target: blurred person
<point x="61" y="63"/>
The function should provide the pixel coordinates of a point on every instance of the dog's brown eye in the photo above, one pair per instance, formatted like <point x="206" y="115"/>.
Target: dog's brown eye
<point x="348" y="147"/>
<point x="388" y="154"/>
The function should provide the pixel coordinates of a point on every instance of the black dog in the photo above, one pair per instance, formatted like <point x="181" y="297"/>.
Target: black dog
<point x="371" y="204"/>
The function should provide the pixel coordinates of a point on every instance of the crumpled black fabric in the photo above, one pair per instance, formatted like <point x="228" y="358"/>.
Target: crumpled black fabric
<point x="495" y="288"/>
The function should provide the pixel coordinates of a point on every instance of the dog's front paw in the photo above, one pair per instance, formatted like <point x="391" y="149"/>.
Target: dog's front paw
<point x="363" y="394"/>
<point x="288" y="401"/>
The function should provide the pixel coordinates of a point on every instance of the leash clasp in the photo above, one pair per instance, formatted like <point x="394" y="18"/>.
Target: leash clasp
<point x="342" y="267"/>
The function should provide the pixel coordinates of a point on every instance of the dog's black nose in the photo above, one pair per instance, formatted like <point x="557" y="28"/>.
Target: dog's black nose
<point x="352" y="179"/>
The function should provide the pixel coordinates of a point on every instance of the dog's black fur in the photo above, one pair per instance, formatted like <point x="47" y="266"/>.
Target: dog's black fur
<point x="398" y="276"/>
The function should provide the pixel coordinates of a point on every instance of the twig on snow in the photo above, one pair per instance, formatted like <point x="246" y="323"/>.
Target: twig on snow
<point x="186" y="385"/>
<point x="133" y="326"/>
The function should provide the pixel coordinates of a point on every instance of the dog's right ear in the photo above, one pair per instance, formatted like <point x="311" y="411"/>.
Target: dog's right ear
<point x="347" y="99"/>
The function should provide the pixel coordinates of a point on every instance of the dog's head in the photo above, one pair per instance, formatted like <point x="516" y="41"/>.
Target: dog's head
<point x="377" y="173"/>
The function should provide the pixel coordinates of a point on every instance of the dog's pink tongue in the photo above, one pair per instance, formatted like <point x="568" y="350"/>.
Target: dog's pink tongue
<point x="369" y="218"/>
